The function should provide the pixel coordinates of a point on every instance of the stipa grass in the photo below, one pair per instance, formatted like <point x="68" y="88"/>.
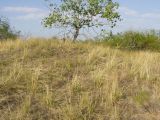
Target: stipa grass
<point x="52" y="80"/>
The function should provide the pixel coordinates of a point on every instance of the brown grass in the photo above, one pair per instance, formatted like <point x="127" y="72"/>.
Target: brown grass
<point x="52" y="80"/>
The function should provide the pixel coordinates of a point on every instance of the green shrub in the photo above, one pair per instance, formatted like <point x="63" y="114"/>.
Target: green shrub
<point x="134" y="41"/>
<point x="6" y="32"/>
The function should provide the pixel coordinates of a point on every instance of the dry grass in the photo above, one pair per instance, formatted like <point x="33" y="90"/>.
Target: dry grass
<point x="51" y="80"/>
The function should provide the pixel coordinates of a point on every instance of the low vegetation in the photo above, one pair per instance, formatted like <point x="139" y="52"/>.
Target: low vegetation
<point x="132" y="40"/>
<point x="53" y="80"/>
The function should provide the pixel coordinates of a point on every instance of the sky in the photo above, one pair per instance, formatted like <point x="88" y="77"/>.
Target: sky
<point x="27" y="15"/>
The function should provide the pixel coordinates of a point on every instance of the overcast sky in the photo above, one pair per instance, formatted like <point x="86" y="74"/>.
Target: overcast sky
<point x="27" y="15"/>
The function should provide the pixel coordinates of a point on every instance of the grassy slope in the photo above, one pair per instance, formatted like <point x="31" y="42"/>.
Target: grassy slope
<point x="51" y="80"/>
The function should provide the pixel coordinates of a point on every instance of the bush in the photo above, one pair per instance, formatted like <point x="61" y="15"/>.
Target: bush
<point x="6" y="32"/>
<point x="134" y="40"/>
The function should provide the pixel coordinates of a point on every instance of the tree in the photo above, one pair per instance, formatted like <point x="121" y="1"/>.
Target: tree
<point x="77" y="14"/>
<point x="5" y="30"/>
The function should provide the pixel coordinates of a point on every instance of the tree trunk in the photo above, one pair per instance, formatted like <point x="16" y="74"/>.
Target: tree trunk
<point x="76" y="34"/>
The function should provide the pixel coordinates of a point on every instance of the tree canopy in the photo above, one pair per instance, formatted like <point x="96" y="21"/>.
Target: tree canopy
<point x="78" y="14"/>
